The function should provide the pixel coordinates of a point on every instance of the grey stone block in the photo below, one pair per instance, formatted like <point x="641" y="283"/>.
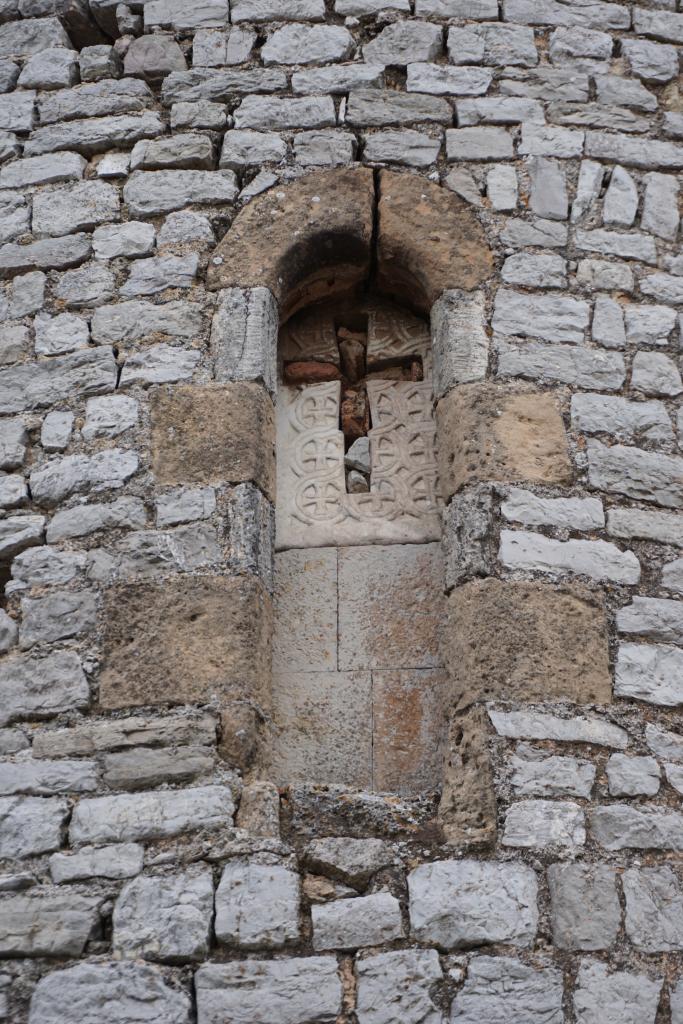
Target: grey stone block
<point x="40" y="687"/>
<point x="281" y="991"/>
<point x="649" y="325"/>
<point x="635" y="522"/>
<point x="655" y="374"/>
<point x="58" y="616"/>
<point x="479" y="144"/>
<point x="443" y="80"/>
<point x="56" y="68"/>
<point x="505" y="990"/>
<point x="34" y="777"/>
<point x="632" y="776"/>
<point x="247" y="148"/>
<point x="185" y="151"/>
<point x="257" y="906"/>
<point x="596" y="559"/>
<point x="566" y="513"/>
<point x="546" y="233"/>
<point x="160" y="364"/>
<point x="653" y="618"/>
<point x="308" y="44"/>
<point x="31" y="825"/>
<point x="502" y="188"/>
<point x="410" y="148"/>
<point x="13" y="444"/>
<point x="397" y="986"/>
<point x="141" y="768"/>
<point x="82" y="474"/>
<point x="244" y="336"/>
<point x="495" y="109"/>
<point x="532" y="270"/>
<point x="459" y="340"/>
<point x="278" y="113"/>
<point x="338" y="79"/>
<point x="650" y="672"/>
<point x="85" y="519"/>
<point x="634" y="152"/>
<point x="620" y="827"/>
<point x="651" y="61"/>
<point x="672" y="576"/>
<point x="570" y="44"/>
<point x="654" y="908"/>
<point x="548" y="189"/>
<point x="666" y="745"/>
<point x="84" y="989"/>
<point x="150" y="193"/>
<point x="361" y="921"/>
<point x="125" y="733"/>
<point x="550" y="317"/>
<point x="663" y="287"/>
<point x="459" y="904"/>
<point x="532" y="774"/>
<point x="621" y="199"/>
<point x="60" y="334"/>
<point x="53" y="924"/>
<point x="19" y="532"/>
<point x="42" y="170"/>
<point x="46" y="254"/>
<point x="585" y="910"/>
<point x="549" y="140"/>
<point x="124" y="860"/>
<point x="164" y="917"/>
<point x="631" y="246"/>
<point x="185" y="227"/>
<point x="374" y="108"/>
<point x="468" y="538"/>
<point x="541" y="823"/>
<point x="185" y="505"/>
<point x="87" y="287"/>
<point x="153" y="815"/>
<point x="98" y="62"/>
<point x="537" y="725"/>
<point x="660" y="205"/>
<point x="47" y="566"/>
<point x="206" y="84"/>
<point x="602" y="275"/>
<point x="137" y="320"/>
<point x="646" y="476"/>
<point x="154" y="275"/>
<point x="494" y="44"/>
<point x="617" y="998"/>
<point x="198" y="115"/>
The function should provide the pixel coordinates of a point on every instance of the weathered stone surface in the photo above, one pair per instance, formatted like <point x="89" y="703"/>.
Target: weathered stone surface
<point x="305" y="607"/>
<point x="458" y="904"/>
<point x="133" y="238"/>
<point x="247" y="148"/>
<point x="585" y="911"/>
<point x="42" y="170"/>
<point x="658" y="526"/>
<point x="654" y="618"/>
<point x="257" y="906"/>
<point x="620" y="827"/>
<point x="46" y="254"/>
<point x="567" y="513"/>
<point x="13" y="442"/>
<point x="22" y="38"/>
<point x="86" y="519"/>
<point x="153" y="57"/>
<point x="429" y="241"/>
<point x="541" y="823"/>
<point x="85" y="990"/>
<point x="82" y="474"/>
<point x="638" y="474"/>
<point x="624" y="420"/>
<point x="353" y="861"/>
<point x="141" y="768"/>
<point x="124" y="860"/>
<point x="213" y="434"/>
<point x="536" y="775"/>
<point x="374" y="108"/>
<point x="396" y="986"/>
<point x="270" y="243"/>
<point x="40" y="687"/>
<point x="534" y="725"/>
<point x="404" y="42"/>
<point x="503" y="989"/>
<point x="150" y="193"/>
<point x="656" y="374"/>
<point x="19" y="532"/>
<point x="527" y="640"/>
<point x="282" y="113"/>
<point x="444" y="80"/>
<point x="552" y="318"/>
<point x="151" y="276"/>
<point x="361" y="921"/>
<point x="183" y="151"/>
<point x="487" y="433"/>
<point x="37" y="385"/>
<point x="666" y="745"/>
<point x="468" y="539"/>
<point x="175" y="14"/>
<point x="308" y="44"/>
<point x="597" y="559"/>
<point x="60" y="615"/>
<point x="136" y="321"/>
<point x="54" y="924"/>
<point x="632" y="776"/>
<point x="94" y="134"/>
<point x="618" y="998"/>
<point x="414" y="149"/>
<point x="207" y="634"/>
<point x="164" y="917"/>
<point x="123" y="733"/>
<point x="47" y="778"/>
<point x="31" y="825"/>
<point x="650" y="672"/>
<point x="459" y="340"/>
<point x="77" y="208"/>
<point x="116" y="96"/>
<point x="153" y="815"/>
<point x="244" y="336"/>
<point x="654" y="905"/>
<point x="281" y="991"/>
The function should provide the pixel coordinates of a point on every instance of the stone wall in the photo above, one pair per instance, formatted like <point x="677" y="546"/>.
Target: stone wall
<point x="526" y="195"/>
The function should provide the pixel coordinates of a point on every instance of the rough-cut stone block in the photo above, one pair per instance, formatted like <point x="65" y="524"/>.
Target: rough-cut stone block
<point x="621" y="827"/>
<point x="274" y="242"/>
<point x="618" y="998"/>
<point x="632" y="776"/>
<point x="165" y="917"/>
<point x="361" y="921"/>
<point x="566" y="513"/>
<point x="534" y="725"/>
<point x="352" y="861"/>
<point x="45" y="778"/>
<point x="244" y="336"/>
<point x="597" y="559"/>
<point x="213" y="434"/>
<point x="280" y="991"/>
<point x="650" y="672"/>
<point x="153" y="815"/>
<point x="536" y="775"/>
<point x="654" y="909"/>
<point x="81" y="993"/>
<point x="257" y="906"/>
<point x="500" y="990"/>
<point x="459" y="904"/>
<point x="428" y="241"/>
<point x="123" y="860"/>
<point x="459" y="340"/>
<point x="40" y="687"/>
<point x="645" y="476"/>
<point x="550" y="317"/>
<point x="527" y="641"/>
<point x="186" y="639"/>
<point x="150" y="193"/>
<point x="396" y="987"/>
<point x="31" y="825"/>
<point x="585" y="911"/>
<point x="305" y="610"/>
<point x="37" y="385"/>
<point x="54" y="924"/>
<point x="541" y="823"/>
<point x="122" y="733"/>
<point x="487" y="433"/>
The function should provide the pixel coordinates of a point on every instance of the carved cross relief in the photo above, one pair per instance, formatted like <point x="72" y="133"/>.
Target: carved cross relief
<point x="356" y="457"/>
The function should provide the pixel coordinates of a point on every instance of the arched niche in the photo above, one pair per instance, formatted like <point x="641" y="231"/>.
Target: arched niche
<point x="334" y="255"/>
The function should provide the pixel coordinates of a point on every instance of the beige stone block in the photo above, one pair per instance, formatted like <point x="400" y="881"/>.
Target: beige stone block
<point x="488" y="432"/>
<point x="323" y="728"/>
<point x="409" y="710"/>
<point x="305" y="603"/>
<point x="467" y="810"/>
<point x="185" y="640"/>
<point x="213" y="434"/>
<point x="391" y="606"/>
<point x="527" y="641"/>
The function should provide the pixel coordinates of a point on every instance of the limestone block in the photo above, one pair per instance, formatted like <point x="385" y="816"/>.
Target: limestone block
<point x="122" y="733"/>
<point x="130" y="817"/>
<point x="585" y="910"/>
<point x="495" y="110"/>
<point x="528" y="640"/>
<point x="46" y="565"/>
<point x="617" y="998"/>
<point x="100" y="61"/>
<point x="390" y="606"/>
<point x="404" y="42"/>
<point x="43" y="170"/>
<point x="213" y="434"/>
<point x="123" y="860"/>
<point x="45" y="254"/>
<point x="468" y="535"/>
<point x="38" y="385"/>
<point x="79" y="207"/>
<point x="502" y="188"/>
<point x="244" y="335"/>
<point x="305" y="610"/>
<point x="40" y="687"/>
<point x="186" y="639"/>
<point x="620" y="204"/>
<point x="176" y="15"/>
<point x="207" y="84"/>
<point x="324" y="729"/>
<point x="510" y="45"/>
<point x="245" y="148"/>
<point x="164" y="917"/>
<point x="429" y="241"/>
<point x="374" y="108"/>
<point x="620" y="827"/>
<point x="257" y="906"/>
<point x="361" y="921"/>
<point x="95" y="134"/>
<point x="600" y="560"/>
<point x="456" y="904"/>
<point x="541" y="823"/>
<point x="649" y="325"/>
<point x="666" y="745"/>
<point x="280" y="991"/>
<point x="654" y="908"/>
<point x="409" y="729"/>
<point x="153" y="57"/>
<point x="467" y="809"/>
<point x="61" y="615"/>
<point x="414" y="149"/>
<point x="535" y="271"/>
<point x="532" y="774"/>
<point x="624" y="92"/>
<point x="47" y="778"/>
<point x="86" y="519"/>
<point x="488" y="433"/>
<point x="134" y="238"/>
<point x="83" y="990"/>
<point x="338" y="78"/>
<point x="638" y="474"/>
<point x="23" y="38"/>
<point x="185" y="151"/>
<point x="59" y="334"/>
<point x="502" y="989"/>
<point x="352" y="861"/>
<point x="13" y="443"/>
<point x="444" y="80"/>
<point x="396" y="987"/>
<point x="308" y="44"/>
<point x="632" y="776"/>
<point x="17" y="111"/>
<point x="650" y="672"/>
<point x="78" y="474"/>
<point x="136" y="320"/>
<point x="94" y="101"/>
<point x="150" y="193"/>
<point x="552" y="318"/>
<point x="31" y="825"/>
<point x="141" y="768"/>
<point x="534" y="725"/>
<point x="658" y="526"/>
<point x="159" y="364"/>
<point x="566" y="513"/>
<point x="53" y="924"/>
<point x="459" y="340"/>
<point x="150" y="276"/>
<point x="660" y="203"/>
<point x="87" y="287"/>
<point x="624" y="420"/>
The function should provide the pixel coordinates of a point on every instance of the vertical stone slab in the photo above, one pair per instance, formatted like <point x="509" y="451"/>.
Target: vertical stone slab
<point x="244" y="336"/>
<point x="305" y="607"/>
